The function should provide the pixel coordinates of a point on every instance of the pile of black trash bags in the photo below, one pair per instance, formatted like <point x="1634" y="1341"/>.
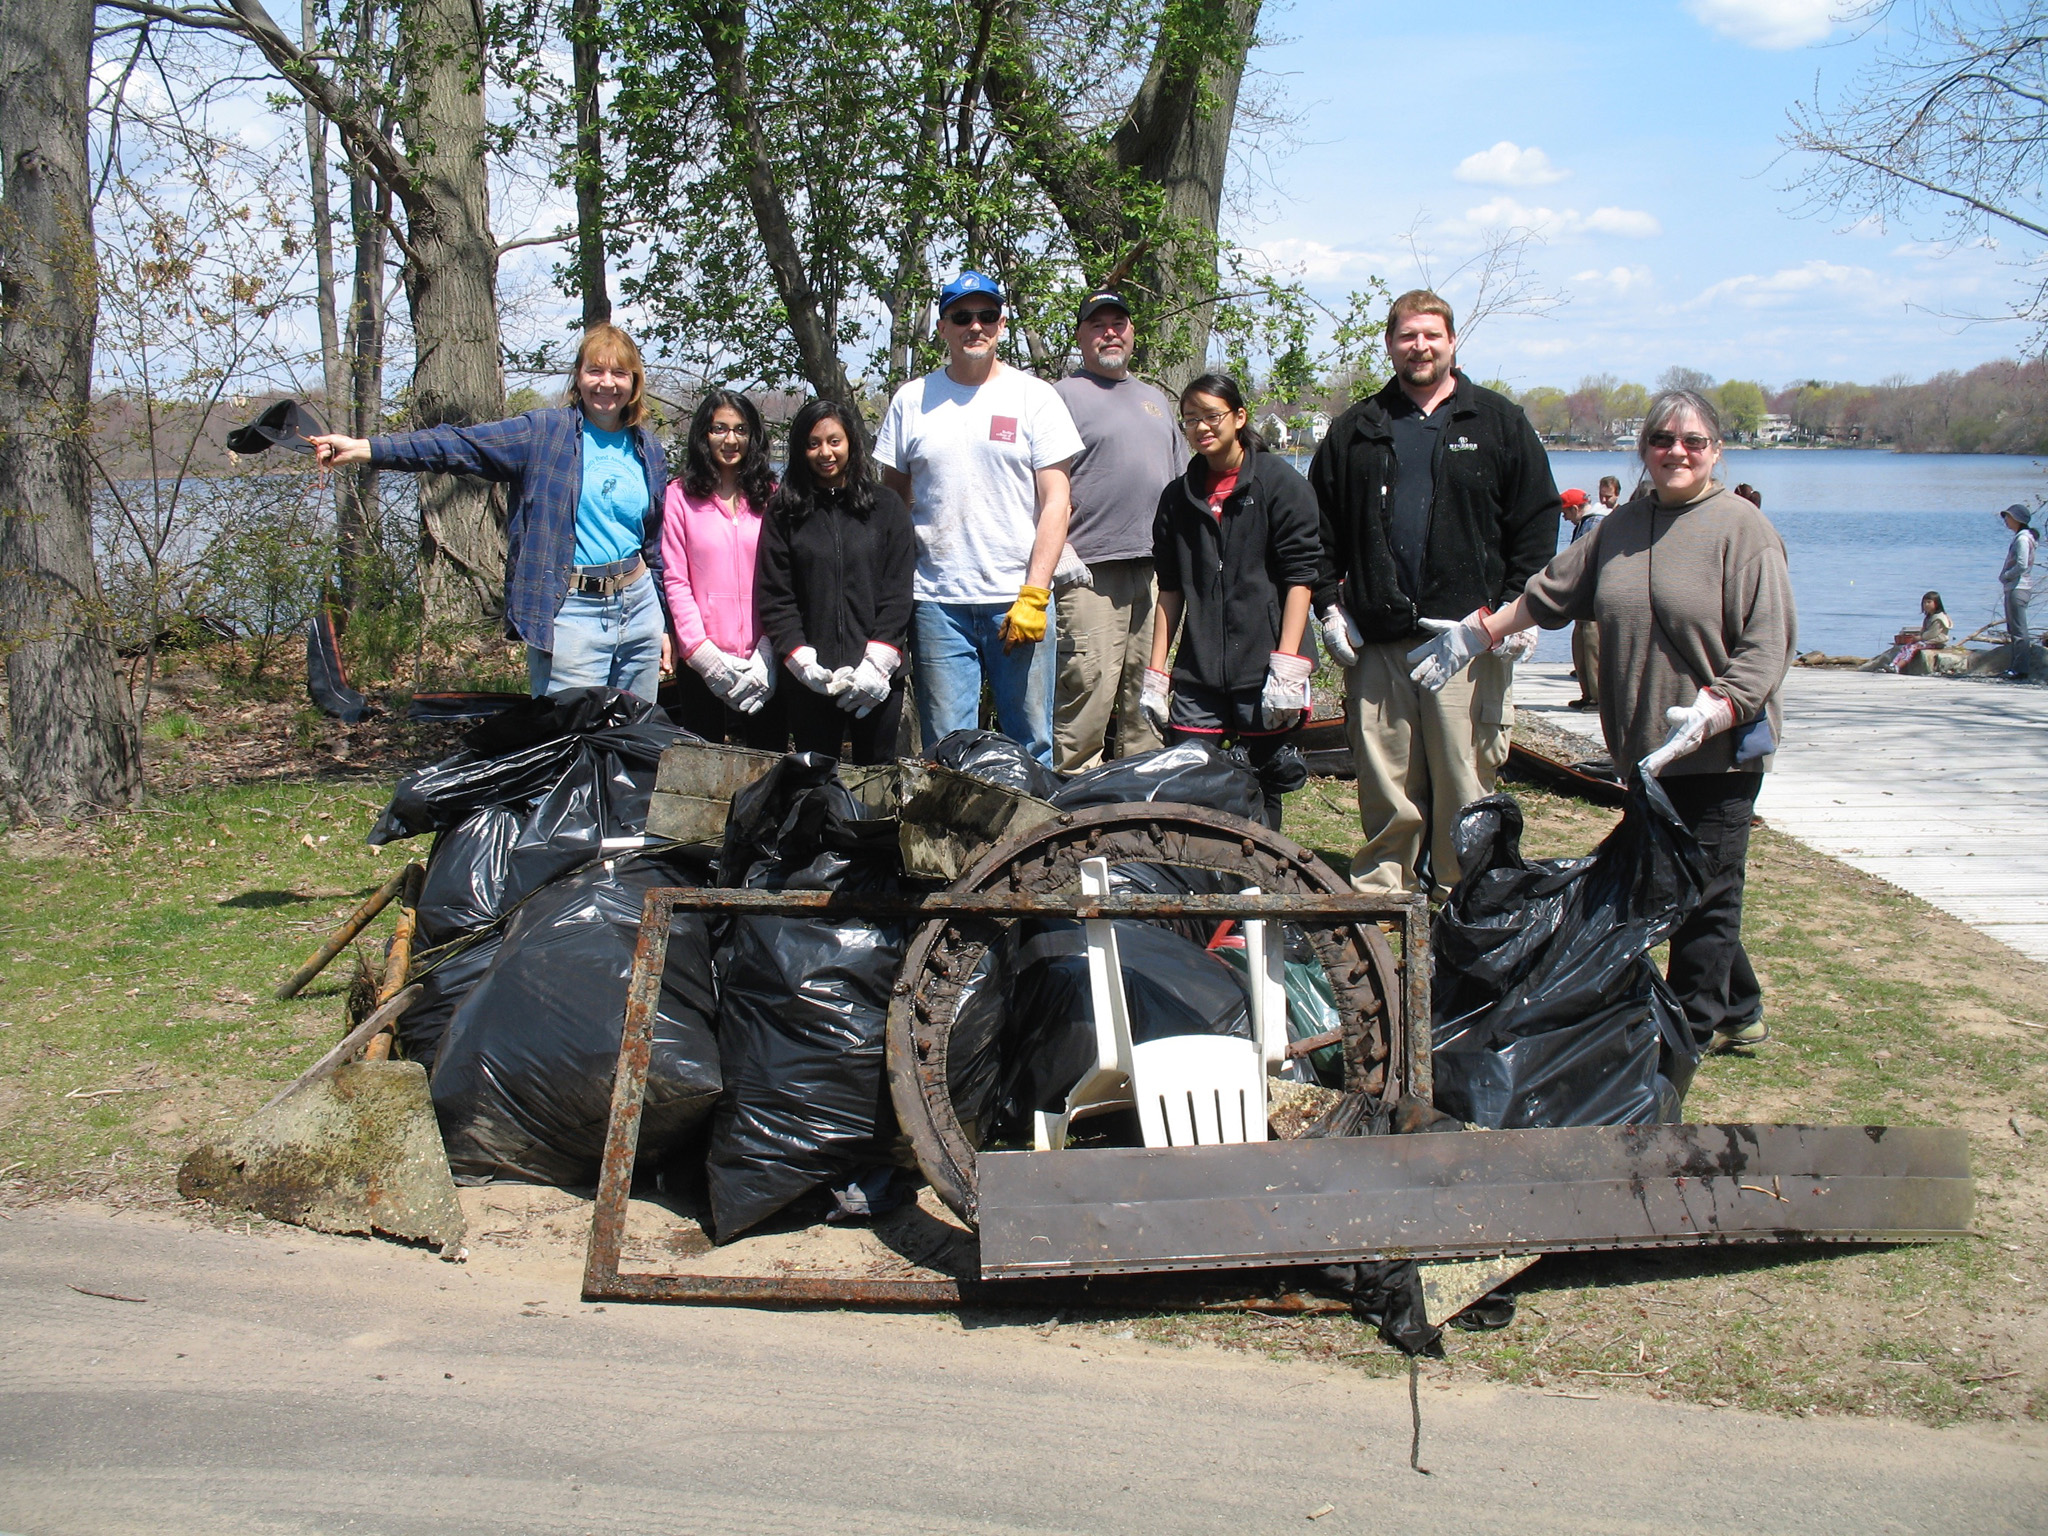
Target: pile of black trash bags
<point x="767" y="1079"/>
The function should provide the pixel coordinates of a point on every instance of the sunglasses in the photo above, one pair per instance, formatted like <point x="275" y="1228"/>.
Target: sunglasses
<point x="1695" y="442"/>
<point x="966" y="317"/>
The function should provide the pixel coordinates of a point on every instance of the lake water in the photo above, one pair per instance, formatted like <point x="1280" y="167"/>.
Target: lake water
<point x="1865" y="532"/>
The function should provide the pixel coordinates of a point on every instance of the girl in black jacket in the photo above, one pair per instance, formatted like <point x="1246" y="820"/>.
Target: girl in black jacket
<point x="832" y="588"/>
<point x="1235" y="545"/>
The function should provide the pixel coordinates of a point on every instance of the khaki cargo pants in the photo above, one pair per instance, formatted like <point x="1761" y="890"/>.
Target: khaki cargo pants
<point x="1105" y="642"/>
<point x="1421" y="758"/>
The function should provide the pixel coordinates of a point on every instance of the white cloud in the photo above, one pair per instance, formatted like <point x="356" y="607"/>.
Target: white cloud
<point x="1317" y="262"/>
<point x="1615" y="279"/>
<point x="1630" y="223"/>
<point x="1772" y="24"/>
<point x="1804" y="284"/>
<point x="1509" y="165"/>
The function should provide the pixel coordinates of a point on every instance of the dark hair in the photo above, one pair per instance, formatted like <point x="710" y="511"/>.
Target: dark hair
<point x="1750" y="494"/>
<point x="1224" y="388"/>
<point x="700" y="475"/>
<point x="799" y="491"/>
<point x="1939" y="605"/>
<point x="1607" y="480"/>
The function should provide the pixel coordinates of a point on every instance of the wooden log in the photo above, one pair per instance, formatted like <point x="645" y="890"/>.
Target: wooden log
<point x="343" y="936"/>
<point x="398" y="964"/>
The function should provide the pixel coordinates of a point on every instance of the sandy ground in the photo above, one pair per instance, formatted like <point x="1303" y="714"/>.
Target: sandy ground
<point x="276" y="1380"/>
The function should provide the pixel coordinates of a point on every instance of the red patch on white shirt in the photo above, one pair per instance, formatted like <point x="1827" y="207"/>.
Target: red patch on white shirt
<point x="1002" y="429"/>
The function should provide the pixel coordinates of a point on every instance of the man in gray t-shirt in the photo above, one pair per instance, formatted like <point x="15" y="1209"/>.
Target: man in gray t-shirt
<point x="1132" y="452"/>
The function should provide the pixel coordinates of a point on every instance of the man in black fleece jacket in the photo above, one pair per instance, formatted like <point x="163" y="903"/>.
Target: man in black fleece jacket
<point x="1437" y="501"/>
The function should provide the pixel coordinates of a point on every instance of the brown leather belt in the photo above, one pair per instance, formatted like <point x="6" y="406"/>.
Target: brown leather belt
<point x="584" y="584"/>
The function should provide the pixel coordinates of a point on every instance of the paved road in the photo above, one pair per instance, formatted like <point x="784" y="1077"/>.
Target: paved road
<point x="288" y="1382"/>
<point x="1939" y="785"/>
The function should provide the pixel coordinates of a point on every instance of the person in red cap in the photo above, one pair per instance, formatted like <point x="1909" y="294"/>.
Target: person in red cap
<point x="1585" y="516"/>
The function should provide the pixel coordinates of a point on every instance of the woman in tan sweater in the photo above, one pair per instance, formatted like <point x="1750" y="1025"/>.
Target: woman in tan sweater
<point x="1689" y="588"/>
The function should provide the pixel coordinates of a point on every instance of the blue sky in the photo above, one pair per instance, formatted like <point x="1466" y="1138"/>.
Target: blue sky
<point x="1641" y="140"/>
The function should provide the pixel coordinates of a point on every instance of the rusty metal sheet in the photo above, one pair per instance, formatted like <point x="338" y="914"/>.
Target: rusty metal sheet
<point x="693" y="788"/>
<point x="1138" y="1210"/>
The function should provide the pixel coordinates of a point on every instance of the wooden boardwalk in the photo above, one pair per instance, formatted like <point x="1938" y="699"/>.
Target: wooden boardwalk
<point x="1939" y="785"/>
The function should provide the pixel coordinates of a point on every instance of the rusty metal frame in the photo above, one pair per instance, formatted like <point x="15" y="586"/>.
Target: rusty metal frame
<point x="602" y="1279"/>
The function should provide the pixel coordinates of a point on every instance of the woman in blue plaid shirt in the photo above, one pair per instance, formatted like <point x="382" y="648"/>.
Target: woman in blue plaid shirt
<point x="583" y="573"/>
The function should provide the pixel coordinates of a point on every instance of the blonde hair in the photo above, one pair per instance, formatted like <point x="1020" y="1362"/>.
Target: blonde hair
<point x="616" y="347"/>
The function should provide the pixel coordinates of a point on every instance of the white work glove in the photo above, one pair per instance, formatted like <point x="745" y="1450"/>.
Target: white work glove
<point x="803" y="666"/>
<point x="1443" y="658"/>
<point x="1154" y="699"/>
<point x="867" y="685"/>
<point x="1072" y="571"/>
<point x="755" y="681"/>
<point x="1708" y="715"/>
<point x="719" y="671"/>
<point x="1521" y="645"/>
<point x="1286" y="692"/>
<point x="1340" y="635"/>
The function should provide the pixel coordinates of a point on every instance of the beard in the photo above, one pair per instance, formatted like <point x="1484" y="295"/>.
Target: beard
<point x="1424" y="372"/>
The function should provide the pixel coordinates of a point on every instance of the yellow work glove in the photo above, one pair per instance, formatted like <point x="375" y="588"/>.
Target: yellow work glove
<point x="1024" y="624"/>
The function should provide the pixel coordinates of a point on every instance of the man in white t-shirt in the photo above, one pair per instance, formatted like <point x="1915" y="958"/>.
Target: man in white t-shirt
<point x="980" y="451"/>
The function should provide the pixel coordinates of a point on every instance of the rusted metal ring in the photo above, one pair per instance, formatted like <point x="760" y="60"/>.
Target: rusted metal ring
<point x="943" y="955"/>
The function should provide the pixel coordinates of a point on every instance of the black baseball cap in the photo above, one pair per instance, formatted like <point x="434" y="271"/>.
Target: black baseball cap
<point x="286" y="425"/>
<point x="1102" y="299"/>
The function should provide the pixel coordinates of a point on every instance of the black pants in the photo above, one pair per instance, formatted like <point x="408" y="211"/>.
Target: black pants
<point x="1710" y="970"/>
<point x="818" y="724"/>
<point x="692" y="705"/>
<point x="1224" y="717"/>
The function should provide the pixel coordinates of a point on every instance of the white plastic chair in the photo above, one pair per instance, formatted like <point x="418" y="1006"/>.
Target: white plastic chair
<point x="1189" y="1090"/>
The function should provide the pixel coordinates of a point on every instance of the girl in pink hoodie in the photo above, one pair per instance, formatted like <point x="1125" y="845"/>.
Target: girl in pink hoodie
<point x="711" y="527"/>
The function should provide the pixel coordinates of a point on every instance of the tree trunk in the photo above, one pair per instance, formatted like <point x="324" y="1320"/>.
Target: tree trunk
<point x="1176" y="136"/>
<point x="369" y="208"/>
<point x="451" y="287"/>
<point x="72" y="736"/>
<point x="723" y="25"/>
<point x="589" y="151"/>
<point x="348" y="533"/>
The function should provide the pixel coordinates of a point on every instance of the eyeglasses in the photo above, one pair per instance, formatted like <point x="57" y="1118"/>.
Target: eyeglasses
<point x="1213" y="420"/>
<point x="966" y="317"/>
<point x="1695" y="442"/>
<point x="721" y="430"/>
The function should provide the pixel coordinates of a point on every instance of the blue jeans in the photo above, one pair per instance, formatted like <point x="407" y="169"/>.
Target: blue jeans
<point x="954" y="646"/>
<point x="607" y="642"/>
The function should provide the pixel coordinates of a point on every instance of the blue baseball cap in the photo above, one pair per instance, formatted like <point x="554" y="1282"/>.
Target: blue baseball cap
<point x="966" y="285"/>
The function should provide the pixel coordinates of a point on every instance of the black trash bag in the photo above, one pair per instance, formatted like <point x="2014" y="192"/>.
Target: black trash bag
<point x="1546" y="1008"/>
<point x="584" y="760"/>
<point x="443" y="707"/>
<point x="522" y="1084"/>
<point x="1387" y="1296"/>
<point x="1171" y="987"/>
<point x="1177" y="880"/>
<point x="975" y="1049"/>
<point x="804" y="1002"/>
<point x="326" y="681"/>
<point x="995" y="757"/>
<point x="445" y="974"/>
<point x="1192" y="773"/>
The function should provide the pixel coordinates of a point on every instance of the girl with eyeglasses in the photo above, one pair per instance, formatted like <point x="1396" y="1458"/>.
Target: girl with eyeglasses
<point x="1235" y="543"/>
<point x="832" y="588"/>
<point x="711" y="534"/>
<point x="583" y="528"/>
<point x="1690" y="590"/>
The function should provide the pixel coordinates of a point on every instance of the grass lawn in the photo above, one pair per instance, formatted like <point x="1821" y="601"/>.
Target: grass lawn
<point x="137" y="958"/>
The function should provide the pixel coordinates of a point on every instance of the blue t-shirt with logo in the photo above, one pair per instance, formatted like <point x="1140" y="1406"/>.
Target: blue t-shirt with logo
<point x="611" y="511"/>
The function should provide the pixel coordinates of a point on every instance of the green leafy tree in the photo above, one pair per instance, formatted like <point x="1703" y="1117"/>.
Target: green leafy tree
<point x="1742" y="407"/>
